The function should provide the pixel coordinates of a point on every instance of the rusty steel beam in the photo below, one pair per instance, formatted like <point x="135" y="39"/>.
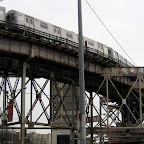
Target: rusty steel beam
<point x="20" y="48"/>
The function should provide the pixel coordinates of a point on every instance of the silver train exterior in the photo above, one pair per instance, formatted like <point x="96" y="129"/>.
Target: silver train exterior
<point x="19" y="18"/>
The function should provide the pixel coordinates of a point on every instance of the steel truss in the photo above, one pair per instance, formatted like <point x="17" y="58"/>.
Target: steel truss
<point x="123" y="109"/>
<point x="17" y="92"/>
<point x="118" y="117"/>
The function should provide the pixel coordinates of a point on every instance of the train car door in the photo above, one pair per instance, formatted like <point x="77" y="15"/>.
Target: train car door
<point x="29" y="22"/>
<point x="57" y="31"/>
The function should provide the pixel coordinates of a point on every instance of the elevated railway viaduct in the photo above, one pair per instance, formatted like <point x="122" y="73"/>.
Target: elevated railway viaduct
<point x="56" y="59"/>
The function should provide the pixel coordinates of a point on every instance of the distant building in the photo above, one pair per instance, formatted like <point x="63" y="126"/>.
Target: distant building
<point x="13" y="137"/>
<point x="62" y="114"/>
<point x="44" y="138"/>
<point x="65" y="109"/>
<point x="56" y="136"/>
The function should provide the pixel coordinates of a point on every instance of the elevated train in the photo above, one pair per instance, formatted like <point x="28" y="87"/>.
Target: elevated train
<point x="18" y="18"/>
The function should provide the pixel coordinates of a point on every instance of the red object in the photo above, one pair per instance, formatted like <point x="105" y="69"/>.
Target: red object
<point x="10" y="111"/>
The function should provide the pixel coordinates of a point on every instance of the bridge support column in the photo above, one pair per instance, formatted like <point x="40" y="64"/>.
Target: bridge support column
<point x="128" y="112"/>
<point x="73" y="109"/>
<point x="100" y="115"/>
<point x="140" y="100"/>
<point x="31" y="100"/>
<point x="23" y="103"/>
<point x="4" y="100"/>
<point x="5" y="105"/>
<point x="51" y="98"/>
<point x="91" y="103"/>
<point x="107" y="96"/>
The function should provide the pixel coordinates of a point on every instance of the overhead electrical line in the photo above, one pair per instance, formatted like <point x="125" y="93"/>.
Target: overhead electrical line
<point x="109" y="32"/>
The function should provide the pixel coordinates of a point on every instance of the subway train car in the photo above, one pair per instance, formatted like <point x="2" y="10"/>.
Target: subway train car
<point x="18" y="22"/>
<point x="19" y="18"/>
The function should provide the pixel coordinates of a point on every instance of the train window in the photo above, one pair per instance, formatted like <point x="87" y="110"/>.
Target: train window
<point x="43" y="25"/>
<point x="58" y="31"/>
<point x="13" y="16"/>
<point x="90" y="43"/>
<point x="27" y="20"/>
<point x="109" y="52"/>
<point x="31" y="21"/>
<point x="116" y="54"/>
<point x="55" y="30"/>
<point x="69" y="35"/>
<point x="100" y="46"/>
<point x="86" y="43"/>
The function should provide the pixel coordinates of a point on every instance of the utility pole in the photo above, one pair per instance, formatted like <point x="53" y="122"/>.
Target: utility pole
<point x="23" y="103"/>
<point x="81" y="78"/>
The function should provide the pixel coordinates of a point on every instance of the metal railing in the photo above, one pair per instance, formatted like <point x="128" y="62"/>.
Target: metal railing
<point x="49" y="38"/>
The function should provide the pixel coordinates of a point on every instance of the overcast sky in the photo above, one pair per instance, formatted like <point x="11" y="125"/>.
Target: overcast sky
<point x="124" y="18"/>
